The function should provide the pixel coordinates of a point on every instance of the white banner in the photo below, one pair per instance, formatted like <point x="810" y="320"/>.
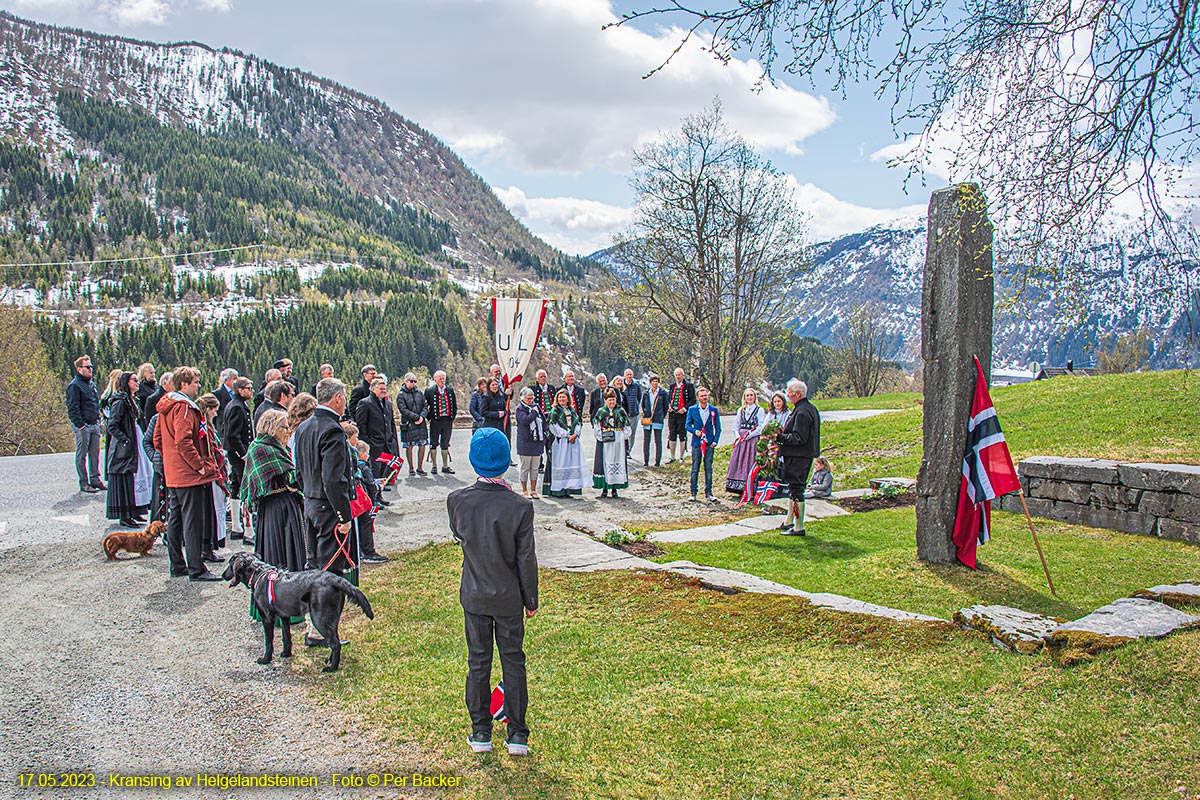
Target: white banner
<point x="518" y="326"/>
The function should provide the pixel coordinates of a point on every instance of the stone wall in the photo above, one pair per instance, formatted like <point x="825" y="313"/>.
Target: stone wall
<point x="1151" y="499"/>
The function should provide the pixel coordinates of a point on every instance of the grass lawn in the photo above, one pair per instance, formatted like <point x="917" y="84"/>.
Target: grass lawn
<point x="873" y="557"/>
<point x="1148" y="416"/>
<point x="651" y="687"/>
<point x="893" y="400"/>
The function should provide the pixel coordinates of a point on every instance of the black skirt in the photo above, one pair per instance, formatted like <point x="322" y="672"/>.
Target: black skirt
<point x="280" y="531"/>
<point x="121" y="503"/>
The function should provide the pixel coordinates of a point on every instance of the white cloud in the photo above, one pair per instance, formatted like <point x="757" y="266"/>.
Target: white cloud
<point x="130" y="13"/>
<point x="536" y="85"/>
<point x="221" y="6"/>
<point x="139" y="12"/>
<point x="572" y="224"/>
<point x="829" y="217"/>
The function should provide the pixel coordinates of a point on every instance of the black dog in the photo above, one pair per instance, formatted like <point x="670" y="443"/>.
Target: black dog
<point x="279" y="593"/>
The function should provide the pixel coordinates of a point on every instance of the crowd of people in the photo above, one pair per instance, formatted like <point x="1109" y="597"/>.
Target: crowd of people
<point x="294" y="473"/>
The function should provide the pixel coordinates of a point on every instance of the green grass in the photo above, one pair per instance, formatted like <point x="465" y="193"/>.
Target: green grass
<point x="873" y="557"/>
<point x="651" y="687"/>
<point x="1148" y="416"/>
<point x="893" y="400"/>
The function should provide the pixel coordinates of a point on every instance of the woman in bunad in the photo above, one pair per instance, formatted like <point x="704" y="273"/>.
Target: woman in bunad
<point x="750" y="421"/>
<point x="778" y="412"/>
<point x="566" y="453"/>
<point x="610" y="471"/>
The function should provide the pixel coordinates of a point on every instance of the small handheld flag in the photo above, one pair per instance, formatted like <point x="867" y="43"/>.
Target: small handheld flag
<point x="498" y="713"/>
<point x="392" y="462"/>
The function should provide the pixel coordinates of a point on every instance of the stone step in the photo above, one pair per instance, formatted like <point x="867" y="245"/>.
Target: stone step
<point x="1176" y="594"/>
<point x="903" y="483"/>
<point x="1010" y="628"/>
<point x="1120" y="622"/>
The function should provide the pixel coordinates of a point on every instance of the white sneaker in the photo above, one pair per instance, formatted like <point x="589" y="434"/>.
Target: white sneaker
<point x="480" y="743"/>
<point x="517" y="748"/>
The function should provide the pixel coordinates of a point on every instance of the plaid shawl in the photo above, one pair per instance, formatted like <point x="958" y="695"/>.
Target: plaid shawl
<point x="565" y="418"/>
<point x="269" y="469"/>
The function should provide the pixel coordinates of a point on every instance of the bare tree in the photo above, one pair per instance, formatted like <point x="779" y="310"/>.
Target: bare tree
<point x="716" y="239"/>
<point x="33" y="414"/>
<point x="860" y="351"/>
<point x="1057" y="107"/>
<point x="1127" y="352"/>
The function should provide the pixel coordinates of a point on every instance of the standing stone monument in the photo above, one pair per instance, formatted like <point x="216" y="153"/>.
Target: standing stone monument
<point x="956" y="324"/>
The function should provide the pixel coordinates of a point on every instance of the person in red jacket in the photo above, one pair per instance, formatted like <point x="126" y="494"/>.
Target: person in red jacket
<point x="189" y="469"/>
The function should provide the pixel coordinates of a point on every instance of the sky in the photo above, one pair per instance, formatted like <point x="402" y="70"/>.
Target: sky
<point x="542" y="103"/>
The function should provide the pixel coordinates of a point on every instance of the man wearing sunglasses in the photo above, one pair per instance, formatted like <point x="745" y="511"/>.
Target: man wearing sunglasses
<point x="83" y="408"/>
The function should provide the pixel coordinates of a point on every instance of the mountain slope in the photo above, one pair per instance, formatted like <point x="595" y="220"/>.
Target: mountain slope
<point x="367" y="148"/>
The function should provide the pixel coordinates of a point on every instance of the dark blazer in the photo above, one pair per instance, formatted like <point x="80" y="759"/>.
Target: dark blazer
<point x="83" y="402"/>
<point x="224" y="396"/>
<point x="323" y="462"/>
<point x="689" y="395"/>
<point x="144" y="390"/>
<point x="695" y="425"/>
<point x="490" y="407"/>
<point x="357" y="393"/>
<point x="239" y="430"/>
<point x="531" y="430"/>
<point x="659" y="412"/>
<point x="151" y="404"/>
<point x="121" y="440"/>
<point x="431" y="397"/>
<point x="596" y="400"/>
<point x="578" y="394"/>
<point x="800" y="436"/>
<point x="411" y="405"/>
<point x="263" y="408"/>
<point x="476" y="403"/>
<point x="376" y="423"/>
<point x="494" y="525"/>
<point x="543" y="398"/>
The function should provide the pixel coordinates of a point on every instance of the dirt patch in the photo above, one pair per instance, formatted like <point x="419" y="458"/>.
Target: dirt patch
<point x="860" y="504"/>
<point x="641" y="549"/>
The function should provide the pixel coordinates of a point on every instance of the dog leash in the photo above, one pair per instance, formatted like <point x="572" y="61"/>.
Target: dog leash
<point x="343" y="549"/>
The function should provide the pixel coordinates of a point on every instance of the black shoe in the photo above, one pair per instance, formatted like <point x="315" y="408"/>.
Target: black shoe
<point x="480" y="742"/>
<point x="181" y="574"/>
<point x="128" y="522"/>
<point x="206" y="576"/>
<point x="248" y="542"/>
<point x="213" y="558"/>
<point x="422" y="473"/>
<point x="412" y="473"/>
<point x="433" y="470"/>
<point x="99" y="485"/>
<point x="447" y="471"/>
<point x="375" y="558"/>
<point x="541" y="468"/>
<point x="384" y="503"/>
<point x="387" y="488"/>
<point x="236" y="536"/>
<point x="518" y="744"/>
<point x="604" y="494"/>
<point x="89" y="489"/>
<point x="512" y="463"/>
<point x="614" y="494"/>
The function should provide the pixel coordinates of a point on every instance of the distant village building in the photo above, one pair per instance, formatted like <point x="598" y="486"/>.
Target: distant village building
<point x="1069" y="369"/>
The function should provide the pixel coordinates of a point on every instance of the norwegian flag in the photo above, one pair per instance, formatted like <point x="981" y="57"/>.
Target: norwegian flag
<point x="392" y="462"/>
<point x="987" y="473"/>
<point x="751" y="479"/>
<point x="765" y="492"/>
<point x="498" y="713"/>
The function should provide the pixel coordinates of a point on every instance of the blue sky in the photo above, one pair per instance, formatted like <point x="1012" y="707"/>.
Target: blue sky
<point x="539" y="101"/>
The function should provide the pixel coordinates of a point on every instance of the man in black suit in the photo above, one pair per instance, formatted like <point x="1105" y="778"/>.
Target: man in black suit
<point x="284" y="365"/>
<point x="239" y="432"/>
<point x="224" y="394"/>
<point x="326" y="371"/>
<point x="443" y="408"/>
<point x="633" y="406"/>
<point x="260" y="397"/>
<point x="799" y="443"/>
<point x="576" y="396"/>
<point x="376" y="421"/>
<point x="499" y="589"/>
<point x="166" y="385"/>
<point x="369" y="373"/>
<point x="326" y="473"/>
<point x="277" y="397"/>
<point x="596" y="399"/>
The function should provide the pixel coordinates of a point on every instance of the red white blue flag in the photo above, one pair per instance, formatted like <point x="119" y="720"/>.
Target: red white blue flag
<point x="987" y="473"/>
<point x="497" y="706"/>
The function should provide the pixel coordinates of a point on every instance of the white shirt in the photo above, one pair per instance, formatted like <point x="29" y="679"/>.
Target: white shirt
<point x="704" y="412"/>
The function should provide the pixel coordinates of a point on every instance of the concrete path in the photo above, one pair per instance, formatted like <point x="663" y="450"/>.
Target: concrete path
<point x="813" y="510"/>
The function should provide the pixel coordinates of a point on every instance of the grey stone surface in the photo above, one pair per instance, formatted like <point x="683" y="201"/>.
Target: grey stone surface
<point x="1175" y="594"/>
<point x="1158" y="503"/>
<point x="1161" y="477"/>
<point x="1090" y="470"/>
<point x="1070" y="491"/>
<point x="1176" y="529"/>
<point x="1128" y="618"/>
<point x="957" y="301"/>
<point x="904" y="483"/>
<point x="1123" y="498"/>
<point x="1011" y="628"/>
<point x="813" y="510"/>
<point x="727" y="579"/>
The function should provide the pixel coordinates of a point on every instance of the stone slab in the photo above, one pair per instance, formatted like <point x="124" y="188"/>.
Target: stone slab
<point x="574" y="552"/>
<point x="726" y="579"/>
<point x="1114" y="497"/>
<point x="1120" y="622"/>
<point x="1175" y="529"/>
<point x="1070" y="491"/>
<point x="813" y="510"/>
<point x="1161" y="477"/>
<point x="1084" y="470"/>
<point x="851" y="493"/>
<point x="1175" y="594"/>
<point x="904" y="483"/>
<point x="1011" y="628"/>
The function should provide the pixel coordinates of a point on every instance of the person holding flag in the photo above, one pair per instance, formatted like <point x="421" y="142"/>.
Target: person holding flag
<point x="704" y="424"/>
<point x="987" y="473"/>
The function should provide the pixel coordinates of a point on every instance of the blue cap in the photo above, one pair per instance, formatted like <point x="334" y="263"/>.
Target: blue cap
<point x="490" y="454"/>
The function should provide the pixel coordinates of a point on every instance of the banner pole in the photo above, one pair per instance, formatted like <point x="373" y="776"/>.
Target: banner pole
<point x="1029" y="519"/>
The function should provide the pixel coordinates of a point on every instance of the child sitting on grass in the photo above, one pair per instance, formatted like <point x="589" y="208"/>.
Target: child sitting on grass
<point x="820" y="485"/>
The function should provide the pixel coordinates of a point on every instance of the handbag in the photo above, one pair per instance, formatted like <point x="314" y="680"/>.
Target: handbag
<point x="647" y="421"/>
<point x="608" y="436"/>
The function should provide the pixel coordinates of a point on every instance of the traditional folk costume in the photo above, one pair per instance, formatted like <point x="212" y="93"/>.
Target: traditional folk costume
<point x="681" y="397"/>
<point x="566" y="470"/>
<point x="271" y="490"/>
<point x="610" y="468"/>
<point x="750" y="421"/>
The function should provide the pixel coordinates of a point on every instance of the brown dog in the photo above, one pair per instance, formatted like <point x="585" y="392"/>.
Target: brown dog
<point x="132" y="542"/>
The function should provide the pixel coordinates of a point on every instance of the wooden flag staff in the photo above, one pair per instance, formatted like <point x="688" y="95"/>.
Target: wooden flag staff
<point x="1029" y="519"/>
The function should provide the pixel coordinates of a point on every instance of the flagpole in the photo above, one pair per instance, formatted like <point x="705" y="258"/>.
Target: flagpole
<point x="1029" y="519"/>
